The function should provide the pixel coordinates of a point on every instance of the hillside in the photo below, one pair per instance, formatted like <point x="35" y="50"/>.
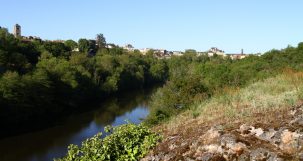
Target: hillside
<point x="262" y="121"/>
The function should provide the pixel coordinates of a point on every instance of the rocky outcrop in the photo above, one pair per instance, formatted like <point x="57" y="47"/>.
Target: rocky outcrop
<point x="256" y="142"/>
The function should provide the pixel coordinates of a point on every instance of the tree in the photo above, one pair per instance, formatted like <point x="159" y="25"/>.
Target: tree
<point x="101" y="42"/>
<point x="83" y="45"/>
<point x="159" y="71"/>
<point x="56" y="48"/>
<point x="71" y="44"/>
<point x="190" y="51"/>
<point x="150" y="53"/>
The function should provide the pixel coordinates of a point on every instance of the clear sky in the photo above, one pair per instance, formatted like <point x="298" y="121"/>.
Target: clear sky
<point x="254" y="25"/>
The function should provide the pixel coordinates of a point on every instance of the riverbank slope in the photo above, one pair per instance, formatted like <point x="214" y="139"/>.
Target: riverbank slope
<point x="263" y="121"/>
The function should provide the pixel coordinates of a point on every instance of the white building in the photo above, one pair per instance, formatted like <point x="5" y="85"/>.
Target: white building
<point x="145" y="50"/>
<point x="177" y="53"/>
<point x="216" y="51"/>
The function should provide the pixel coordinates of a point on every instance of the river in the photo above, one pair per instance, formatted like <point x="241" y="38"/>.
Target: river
<point x="52" y="142"/>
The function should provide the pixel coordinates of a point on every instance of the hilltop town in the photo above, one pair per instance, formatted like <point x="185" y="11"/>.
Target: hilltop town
<point x="160" y="53"/>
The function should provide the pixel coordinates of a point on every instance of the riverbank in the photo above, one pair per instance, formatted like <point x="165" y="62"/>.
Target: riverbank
<point x="260" y="121"/>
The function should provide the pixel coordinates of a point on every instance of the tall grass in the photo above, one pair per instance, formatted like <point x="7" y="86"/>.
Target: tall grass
<point x="263" y="97"/>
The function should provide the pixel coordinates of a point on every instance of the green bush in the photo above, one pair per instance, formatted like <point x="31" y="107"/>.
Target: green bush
<point x="126" y="142"/>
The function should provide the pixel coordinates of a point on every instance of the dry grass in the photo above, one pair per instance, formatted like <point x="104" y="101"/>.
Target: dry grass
<point x="258" y="101"/>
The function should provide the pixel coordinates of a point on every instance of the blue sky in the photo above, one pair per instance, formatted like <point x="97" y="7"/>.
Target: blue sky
<point x="254" y="25"/>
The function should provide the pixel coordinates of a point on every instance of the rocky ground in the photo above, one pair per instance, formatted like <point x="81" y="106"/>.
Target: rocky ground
<point x="278" y="138"/>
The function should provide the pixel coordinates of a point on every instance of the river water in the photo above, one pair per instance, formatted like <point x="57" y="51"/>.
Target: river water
<point x="52" y="142"/>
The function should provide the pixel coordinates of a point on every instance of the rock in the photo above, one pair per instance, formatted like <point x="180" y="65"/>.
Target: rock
<point x="213" y="148"/>
<point x="276" y="139"/>
<point x="228" y="140"/>
<point x="211" y="136"/>
<point x="238" y="148"/>
<point x="168" y="157"/>
<point x="297" y="121"/>
<point x="189" y="159"/>
<point x="172" y="146"/>
<point x="210" y="157"/>
<point x="206" y="157"/>
<point x="262" y="154"/>
<point x="257" y="132"/>
<point x="293" y="112"/>
<point x="244" y="157"/>
<point x="290" y="142"/>
<point x="268" y="135"/>
<point x="244" y="129"/>
<point x="232" y="148"/>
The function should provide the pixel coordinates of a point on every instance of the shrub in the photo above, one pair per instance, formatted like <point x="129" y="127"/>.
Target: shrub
<point x="126" y="142"/>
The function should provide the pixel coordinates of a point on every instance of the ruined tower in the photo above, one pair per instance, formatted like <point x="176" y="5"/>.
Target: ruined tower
<point x="17" y="30"/>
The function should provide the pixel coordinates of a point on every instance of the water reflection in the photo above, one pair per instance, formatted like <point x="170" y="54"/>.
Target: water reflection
<point x="52" y="142"/>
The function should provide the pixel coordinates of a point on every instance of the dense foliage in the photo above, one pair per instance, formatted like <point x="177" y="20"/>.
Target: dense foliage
<point x="194" y="79"/>
<point x="126" y="142"/>
<point x="40" y="80"/>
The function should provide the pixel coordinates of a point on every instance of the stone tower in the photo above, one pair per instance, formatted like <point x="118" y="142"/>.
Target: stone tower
<point x="17" y="30"/>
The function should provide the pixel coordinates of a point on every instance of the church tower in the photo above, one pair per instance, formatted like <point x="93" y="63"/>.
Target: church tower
<point x="17" y="30"/>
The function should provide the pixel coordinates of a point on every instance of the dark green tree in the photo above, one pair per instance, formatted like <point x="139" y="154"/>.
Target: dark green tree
<point x="71" y="44"/>
<point x="101" y="42"/>
<point x="83" y="45"/>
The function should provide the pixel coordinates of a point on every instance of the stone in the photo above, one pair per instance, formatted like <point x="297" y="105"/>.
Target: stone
<point x="257" y="132"/>
<point x="228" y="140"/>
<point x="244" y="129"/>
<point x="290" y="142"/>
<point x="268" y="135"/>
<point x="211" y="136"/>
<point x="213" y="148"/>
<point x="297" y="121"/>
<point x="210" y="157"/>
<point x="262" y="154"/>
<point x="172" y="146"/>
<point x="238" y="148"/>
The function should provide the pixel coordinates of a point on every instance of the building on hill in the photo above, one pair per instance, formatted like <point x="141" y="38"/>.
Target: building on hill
<point x="162" y="53"/>
<point x="110" y="46"/>
<point x="201" y="53"/>
<point x="177" y="53"/>
<point x="129" y="47"/>
<point x="31" y="38"/>
<point x="17" y="30"/>
<point x="237" y="56"/>
<point x="17" y="34"/>
<point x="145" y="50"/>
<point x="212" y="51"/>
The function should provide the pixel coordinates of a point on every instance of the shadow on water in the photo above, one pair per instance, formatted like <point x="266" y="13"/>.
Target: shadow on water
<point x="52" y="142"/>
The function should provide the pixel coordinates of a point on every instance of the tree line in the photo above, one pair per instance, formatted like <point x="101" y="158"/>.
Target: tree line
<point x="43" y="80"/>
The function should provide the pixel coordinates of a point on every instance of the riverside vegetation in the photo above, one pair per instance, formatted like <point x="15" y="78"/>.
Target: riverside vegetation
<point x="41" y="79"/>
<point x="201" y="92"/>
